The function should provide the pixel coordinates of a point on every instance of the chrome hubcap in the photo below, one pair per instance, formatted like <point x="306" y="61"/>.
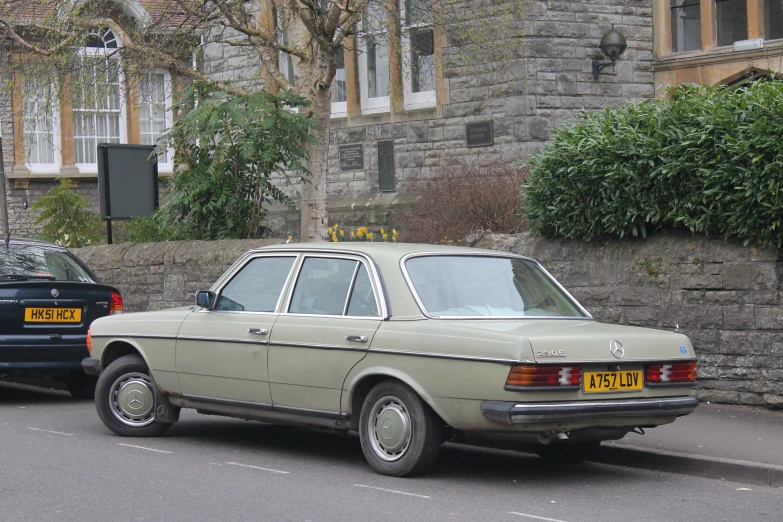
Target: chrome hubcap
<point x="132" y="401"/>
<point x="389" y="428"/>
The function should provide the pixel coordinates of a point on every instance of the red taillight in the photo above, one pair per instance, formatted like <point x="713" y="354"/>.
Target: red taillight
<point x="666" y="373"/>
<point x="544" y="376"/>
<point x="89" y="341"/>
<point x="116" y="304"/>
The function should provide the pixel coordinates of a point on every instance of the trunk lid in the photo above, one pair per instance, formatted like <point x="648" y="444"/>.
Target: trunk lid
<point x="40" y="307"/>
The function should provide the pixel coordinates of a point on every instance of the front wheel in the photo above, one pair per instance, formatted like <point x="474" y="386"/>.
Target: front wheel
<point x="125" y="399"/>
<point x="400" y="435"/>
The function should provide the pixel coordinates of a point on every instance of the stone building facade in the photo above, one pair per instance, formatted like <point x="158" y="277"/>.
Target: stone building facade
<point x="546" y="80"/>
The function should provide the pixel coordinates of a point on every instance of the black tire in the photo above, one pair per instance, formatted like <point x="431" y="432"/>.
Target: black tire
<point x="124" y="384"/>
<point x="564" y="454"/>
<point x="81" y="385"/>
<point x="419" y="440"/>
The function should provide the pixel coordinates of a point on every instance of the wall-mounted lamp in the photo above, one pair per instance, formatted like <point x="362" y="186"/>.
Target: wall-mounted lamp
<point x="613" y="46"/>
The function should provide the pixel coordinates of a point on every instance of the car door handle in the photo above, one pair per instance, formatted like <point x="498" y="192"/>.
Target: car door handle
<point x="356" y="338"/>
<point x="258" y="331"/>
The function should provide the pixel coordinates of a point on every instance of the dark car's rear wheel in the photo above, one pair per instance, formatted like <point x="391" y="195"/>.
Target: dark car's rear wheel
<point x="125" y="399"/>
<point x="400" y="435"/>
<point x="80" y="385"/>
<point x="566" y="453"/>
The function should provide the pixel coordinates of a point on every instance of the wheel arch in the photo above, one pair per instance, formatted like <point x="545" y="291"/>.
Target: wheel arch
<point x="361" y="384"/>
<point x="117" y="348"/>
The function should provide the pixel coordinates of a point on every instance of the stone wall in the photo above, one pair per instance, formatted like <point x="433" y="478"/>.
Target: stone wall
<point x="725" y="296"/>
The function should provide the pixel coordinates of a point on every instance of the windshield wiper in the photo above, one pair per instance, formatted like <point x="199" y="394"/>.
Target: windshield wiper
<point x="25" y="277"/>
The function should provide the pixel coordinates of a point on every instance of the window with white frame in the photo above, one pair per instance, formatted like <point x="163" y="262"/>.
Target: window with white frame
<point x="41" y="124"/>
<point x="418" y="53"/>
<point x="339" y="88"/>
<point x="155" y="115"/>
<point x="98" y="101"/>
<point x="374" y="60"/>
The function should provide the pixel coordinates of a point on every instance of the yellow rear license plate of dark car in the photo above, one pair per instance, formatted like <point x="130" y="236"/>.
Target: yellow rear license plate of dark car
<point x="609" y="381"/>
<point x="52" y="315"/>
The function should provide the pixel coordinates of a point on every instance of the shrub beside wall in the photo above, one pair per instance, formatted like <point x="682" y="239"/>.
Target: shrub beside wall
<point x="707" y="160"/>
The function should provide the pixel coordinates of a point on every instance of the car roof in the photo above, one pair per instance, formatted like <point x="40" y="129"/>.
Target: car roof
<point x="18" y="241"/>
<point x="383" y="249"/>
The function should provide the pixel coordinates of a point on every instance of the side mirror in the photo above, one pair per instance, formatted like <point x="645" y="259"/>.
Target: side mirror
<point x="205" y="299"/>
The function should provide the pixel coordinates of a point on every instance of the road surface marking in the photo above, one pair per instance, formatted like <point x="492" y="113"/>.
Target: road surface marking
<point x="534" y="516"/>
<point x="142" y="447"/>
<point x="391" y="491"/>
<point x="50" y="431"/>
<point x="258" y="467"/>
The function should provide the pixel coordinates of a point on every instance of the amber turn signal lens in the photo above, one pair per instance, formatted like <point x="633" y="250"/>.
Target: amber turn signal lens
<point x="544" y="376"/>
<point x="89" y="341"/>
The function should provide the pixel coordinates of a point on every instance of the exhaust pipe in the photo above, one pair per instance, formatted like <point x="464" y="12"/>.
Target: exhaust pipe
<point x="547" y="437"/>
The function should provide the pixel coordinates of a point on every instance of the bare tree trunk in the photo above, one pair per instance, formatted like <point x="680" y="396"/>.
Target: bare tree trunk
<point x="315" y="220"/>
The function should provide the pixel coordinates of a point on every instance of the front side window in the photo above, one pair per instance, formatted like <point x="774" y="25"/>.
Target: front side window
<point x="773" y="19"/>
<point x="98" y="102"/>
<point x="686" y="25"/>
<point x="155" y="116"/>
<point x="257" y="286"/>
<point x="418" y="47"/>
<point x="471" y="286"/>
<point x="374" y="59"/>
<point x="41" y="130"/>
<point x="731" y="18"/>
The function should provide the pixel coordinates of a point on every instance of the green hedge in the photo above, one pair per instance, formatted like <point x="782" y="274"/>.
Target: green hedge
<point x="707" y="159"/>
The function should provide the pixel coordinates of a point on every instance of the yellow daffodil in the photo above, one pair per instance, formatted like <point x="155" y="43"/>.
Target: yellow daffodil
<point x="351" y="234"/>
<point x="369" y="235"/>
<point x="384" y="236"/>
<point x="336" y="226"/>
<point x="342" y="233"/>
<point x="383" y="232"/>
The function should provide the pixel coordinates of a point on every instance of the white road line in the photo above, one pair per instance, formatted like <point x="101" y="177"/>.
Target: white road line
<point x="534" y="516"/>
<point x="50" y="431"/>
<point x="142" y="447"/>
<point x="258" y="467"/>
<point x="392" y="491"/>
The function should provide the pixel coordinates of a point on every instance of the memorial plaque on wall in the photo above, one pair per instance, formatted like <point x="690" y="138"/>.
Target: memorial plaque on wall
<point x="351" y="157"/>
<point x="386" y="181"/>
<point x="480" y="134"/>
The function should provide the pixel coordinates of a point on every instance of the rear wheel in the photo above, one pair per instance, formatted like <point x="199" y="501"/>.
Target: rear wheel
<point x="81" y="386"/>
<point x="400" y="435"/>
<point x="566" y="453"/>
<point x="125" y="399"/>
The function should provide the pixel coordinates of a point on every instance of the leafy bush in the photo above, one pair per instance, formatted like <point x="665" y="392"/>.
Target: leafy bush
<point x="67" y="218"/>
<point x="469" y="199"/>
<point x="146" y="229"/>
<point x="229" y="146"/>
<point x="707" y="159"/>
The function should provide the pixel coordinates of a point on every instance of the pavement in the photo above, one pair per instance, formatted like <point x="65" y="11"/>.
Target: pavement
<point x="735" y="443"/>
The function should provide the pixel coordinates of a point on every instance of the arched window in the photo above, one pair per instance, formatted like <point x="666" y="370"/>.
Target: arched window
<point x="98" y="98"/>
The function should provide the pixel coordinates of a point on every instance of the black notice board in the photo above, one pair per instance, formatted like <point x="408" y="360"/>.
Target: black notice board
<point x="480" y="134"/>
<point x="352" y="157"/>
<point x="386" y="181"/>
<point x="127" y="181"/>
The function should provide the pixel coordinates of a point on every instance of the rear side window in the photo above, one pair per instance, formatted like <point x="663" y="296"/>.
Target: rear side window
<point x="257" y="286"/>
<point x="322" y="287"/>
<point x="33" y="262"/>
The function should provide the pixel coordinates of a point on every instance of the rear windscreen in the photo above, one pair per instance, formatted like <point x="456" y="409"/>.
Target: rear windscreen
<point x="33" y="262"/>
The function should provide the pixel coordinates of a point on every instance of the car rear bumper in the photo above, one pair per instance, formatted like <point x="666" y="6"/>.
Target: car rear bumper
<point x="548" y="412"/>
<point x="91" y="366"/>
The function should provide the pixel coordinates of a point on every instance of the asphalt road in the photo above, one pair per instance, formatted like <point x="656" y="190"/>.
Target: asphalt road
<point x="58" y="462"/>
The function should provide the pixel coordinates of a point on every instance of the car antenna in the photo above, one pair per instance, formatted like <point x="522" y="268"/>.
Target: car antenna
<point x="18" y="215"/>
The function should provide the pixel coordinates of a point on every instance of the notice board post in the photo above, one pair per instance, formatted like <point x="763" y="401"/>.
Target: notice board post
<point x="127" y="182"/>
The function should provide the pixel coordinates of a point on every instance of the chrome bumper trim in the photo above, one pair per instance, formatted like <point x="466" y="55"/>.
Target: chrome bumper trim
<point x="545" y="412"/>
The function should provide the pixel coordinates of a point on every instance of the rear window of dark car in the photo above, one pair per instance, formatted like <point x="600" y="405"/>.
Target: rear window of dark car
<point x="28" y="262"/>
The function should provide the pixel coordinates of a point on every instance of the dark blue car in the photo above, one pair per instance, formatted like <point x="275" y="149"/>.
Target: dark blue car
<point x="48" y="299"/>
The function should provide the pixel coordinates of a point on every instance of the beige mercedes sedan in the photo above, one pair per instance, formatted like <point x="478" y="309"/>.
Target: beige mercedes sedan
<point x="409" y="345"/>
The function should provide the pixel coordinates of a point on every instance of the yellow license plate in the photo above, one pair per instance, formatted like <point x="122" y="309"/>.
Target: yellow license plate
<point x="609" y="381"/>
<point x="52" y="315"/>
